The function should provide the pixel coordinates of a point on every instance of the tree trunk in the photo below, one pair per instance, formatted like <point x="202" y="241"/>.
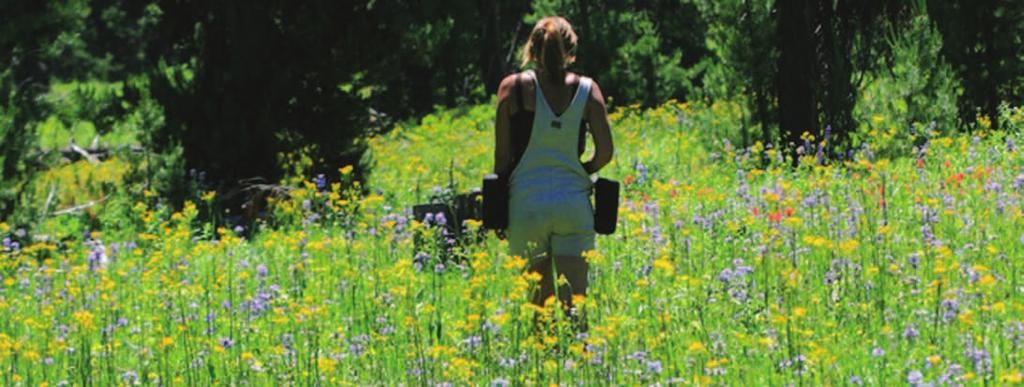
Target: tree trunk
<point x="762" y="115"/>
<point x="839" y="95"/>
<point x="992" y="76"/>
<point x="490" y="50"/>
<point x="760" y="82"/>
<point x="797" y="105"/>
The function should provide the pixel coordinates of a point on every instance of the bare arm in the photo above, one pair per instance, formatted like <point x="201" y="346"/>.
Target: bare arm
<point x="597" y="115"/>
<point x="503" y="127"/>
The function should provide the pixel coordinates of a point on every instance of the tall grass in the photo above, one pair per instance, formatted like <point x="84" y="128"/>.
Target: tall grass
<point x="729" y="267"/>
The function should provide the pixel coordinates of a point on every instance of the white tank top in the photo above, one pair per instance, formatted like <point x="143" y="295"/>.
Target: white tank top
<point x="551" y="163"/>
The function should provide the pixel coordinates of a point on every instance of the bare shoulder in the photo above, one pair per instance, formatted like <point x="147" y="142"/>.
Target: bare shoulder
<point x="508" y="81"/>
<point x="596" y="97"/>
<point x="505" y="88"/>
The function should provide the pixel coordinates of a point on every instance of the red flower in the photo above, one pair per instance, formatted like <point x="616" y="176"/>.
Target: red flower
<point x="789" y="211"/>
<point x="775" y="216"/>
<point x="628" y="179"/>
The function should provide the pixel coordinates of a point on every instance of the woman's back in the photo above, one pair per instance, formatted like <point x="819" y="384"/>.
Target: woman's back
<point x="550" y="167"/>
<point x="557" y="95"/>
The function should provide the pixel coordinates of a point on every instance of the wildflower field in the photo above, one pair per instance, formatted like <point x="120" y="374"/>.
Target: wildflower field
<point x="901" y="265"/>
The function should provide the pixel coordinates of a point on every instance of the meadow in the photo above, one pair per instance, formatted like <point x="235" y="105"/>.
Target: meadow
<point x="899" y="265"/>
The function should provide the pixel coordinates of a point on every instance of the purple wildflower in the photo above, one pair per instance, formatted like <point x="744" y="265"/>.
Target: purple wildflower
<point x="641" y="172"/>
<point x="420" y="260"/>
<point x="97" y="257"/>
<point x="915" y="260"/>
<point x="725" y="275"/>
<point x="982" y="360"/>
<point x="742" y="271"/>
<point x="321" y="182"/>
<point x="130" y="376"/>
<point x="638" y="355"/>
<point x="952" y="374"/>
<point x="357" y="349"/>
<point x="952" y="308"/>
<point x="831" y="277"/>
<point x="472" y="341"/>
<point x="261" y="270"/>
<point x="915" y="378"/>
<point x="654" y="366"/>
<point x="910" y="333"/>
<point x="506" y="362"/>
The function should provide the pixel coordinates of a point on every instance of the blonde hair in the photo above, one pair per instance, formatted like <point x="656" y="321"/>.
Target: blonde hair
<point x="552" y="45"/>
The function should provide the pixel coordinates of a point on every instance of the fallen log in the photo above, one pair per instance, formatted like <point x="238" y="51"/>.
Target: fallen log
<point x="79" y="207"/>
<point x="93" y="154"/>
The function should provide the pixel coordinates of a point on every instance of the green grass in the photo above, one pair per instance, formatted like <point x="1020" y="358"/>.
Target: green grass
<point x="724" y="271"/>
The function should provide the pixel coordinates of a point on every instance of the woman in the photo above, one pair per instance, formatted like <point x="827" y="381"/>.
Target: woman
<point x="551" y="221"/>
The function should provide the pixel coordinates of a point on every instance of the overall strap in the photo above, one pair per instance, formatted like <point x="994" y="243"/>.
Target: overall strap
<point x="584" y="124"/>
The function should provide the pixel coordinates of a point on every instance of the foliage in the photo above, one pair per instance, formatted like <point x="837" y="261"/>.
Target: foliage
<point x="741" y="36"/>
<point x="639" y="52"/>
<point x="917" y="91"/>
<point x="83" y="111"/>
<point x="39" y="39"/>
<point x="52" y="45"/>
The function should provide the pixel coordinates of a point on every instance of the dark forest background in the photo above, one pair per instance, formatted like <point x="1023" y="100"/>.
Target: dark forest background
<point x="229" y="92"/>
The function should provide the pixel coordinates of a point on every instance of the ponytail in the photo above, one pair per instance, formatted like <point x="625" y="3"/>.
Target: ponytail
<point x="552" y="46"/>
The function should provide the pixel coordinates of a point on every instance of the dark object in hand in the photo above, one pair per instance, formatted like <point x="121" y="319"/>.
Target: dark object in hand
<point x="495" y="193"/>
<point x="606" y="205"/>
